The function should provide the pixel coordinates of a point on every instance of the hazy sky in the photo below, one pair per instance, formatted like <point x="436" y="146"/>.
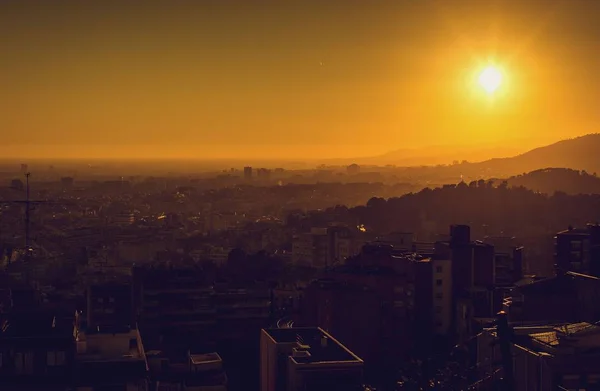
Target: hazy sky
<point x="291" y="78"/>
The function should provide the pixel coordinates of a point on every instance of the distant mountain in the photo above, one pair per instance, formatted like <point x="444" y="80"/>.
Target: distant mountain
<point x="431" y="155"/>
<point x="579" y="153"/>
<point x="444" y="154"/>
<point x="551" y="180"/>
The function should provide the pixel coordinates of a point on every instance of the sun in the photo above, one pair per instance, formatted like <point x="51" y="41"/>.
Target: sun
<point x="490" y="79"/>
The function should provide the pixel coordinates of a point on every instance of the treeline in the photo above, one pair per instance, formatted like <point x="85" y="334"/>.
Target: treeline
<point x="551" y="180"/>
<point x="514" y="211"/>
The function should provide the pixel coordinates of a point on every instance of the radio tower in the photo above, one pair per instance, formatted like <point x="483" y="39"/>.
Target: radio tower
<point x="28" y="202"/>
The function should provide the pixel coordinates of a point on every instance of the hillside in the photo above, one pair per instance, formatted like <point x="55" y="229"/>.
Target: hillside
<point x="579" y="153"/>
<point x="550" y="180"/>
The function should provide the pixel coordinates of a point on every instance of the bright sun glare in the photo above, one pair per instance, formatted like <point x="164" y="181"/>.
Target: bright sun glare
<point x="490" y="79"/>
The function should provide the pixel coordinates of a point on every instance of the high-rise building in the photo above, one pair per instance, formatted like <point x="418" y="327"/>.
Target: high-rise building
<point x="379" y="293"/>
<point x="248" y="173"/>
<point x="578" y="250"/>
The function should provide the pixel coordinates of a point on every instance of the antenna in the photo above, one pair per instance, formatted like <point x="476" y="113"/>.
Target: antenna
<point x="28" y="202"/>
<point x="27" y="213"/>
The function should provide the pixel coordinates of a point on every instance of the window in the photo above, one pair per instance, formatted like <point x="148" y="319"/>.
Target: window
<point x="438" y="282"/>
<point x="439" y="269"/>
<point x="439" y="295"/>
<point x="51" y="358"/>
<point x="398" y="303"/>
<point x="60" y="358"/>
<point x="438" y="309"/>
<point x="55" y="358"/>
<point x="398" y="289"/>
<point x="19" y="362"/>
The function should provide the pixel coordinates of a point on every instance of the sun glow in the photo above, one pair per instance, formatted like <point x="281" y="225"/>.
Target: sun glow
<point x="490" y="79"/>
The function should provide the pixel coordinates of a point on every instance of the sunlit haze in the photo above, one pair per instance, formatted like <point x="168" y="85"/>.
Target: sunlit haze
<point x="296" y="79"/>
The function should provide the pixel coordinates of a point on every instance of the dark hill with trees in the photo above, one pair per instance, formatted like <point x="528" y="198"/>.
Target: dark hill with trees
<point x="533" y="217"/>
<point x="550" y="180"/>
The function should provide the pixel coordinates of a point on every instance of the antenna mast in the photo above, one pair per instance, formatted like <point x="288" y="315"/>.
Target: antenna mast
<point x="27" y="213"/>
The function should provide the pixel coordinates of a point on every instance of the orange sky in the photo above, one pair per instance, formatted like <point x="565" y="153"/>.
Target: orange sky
<point x="298" y="79"/>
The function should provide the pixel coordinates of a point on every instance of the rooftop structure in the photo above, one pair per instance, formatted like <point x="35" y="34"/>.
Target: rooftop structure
<point x="545" y="357"/>
<point x="315" y="361"/>
<point x="315" y="343"/>
<point x="115" y="350"/>
<point x="196" y="372"/>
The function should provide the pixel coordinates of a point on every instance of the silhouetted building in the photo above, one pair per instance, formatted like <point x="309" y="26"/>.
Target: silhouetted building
<point x="578" y="250"/>
<point x="322" y="247"/>
<point x="198" y="372"/>
<point x="298" y="359"/>
<point x="263" y="174"/>
<point x="383" y="294"/>
<point x="36" y="351"/>
<point x="567" y="297"/>
<point x="353" y="169"/>
<point x="443" y="303"/>
<point x="544" y="357"/>
<point x="248" y="173"/>
<point x="481" y="274"/>
<point x="109" y="304"/>
<point x="174" y="302"/>
<point x="109" y="357"/>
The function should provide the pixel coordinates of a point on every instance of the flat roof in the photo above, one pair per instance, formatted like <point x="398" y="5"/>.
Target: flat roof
<point x="574" y="232"/>
<point x="205" y="358"/>
<point x="321" y="346"/>
<point x="567" y="339"/>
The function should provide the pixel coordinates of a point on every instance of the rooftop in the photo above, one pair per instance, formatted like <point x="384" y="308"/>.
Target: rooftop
<point x="205" y="359"/>
<point x="33" y="324"/>
<point x="568" y="340"/>
<point x="560" y="283"/>
<point x="314" y="345"/>
<point x="574" y="231"/>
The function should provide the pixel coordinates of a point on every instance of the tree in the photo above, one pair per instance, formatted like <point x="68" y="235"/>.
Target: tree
<point x="376" y="203"/>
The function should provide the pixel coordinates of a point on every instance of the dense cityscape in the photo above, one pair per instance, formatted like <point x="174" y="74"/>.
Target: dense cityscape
<point x="245" y="280"/>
